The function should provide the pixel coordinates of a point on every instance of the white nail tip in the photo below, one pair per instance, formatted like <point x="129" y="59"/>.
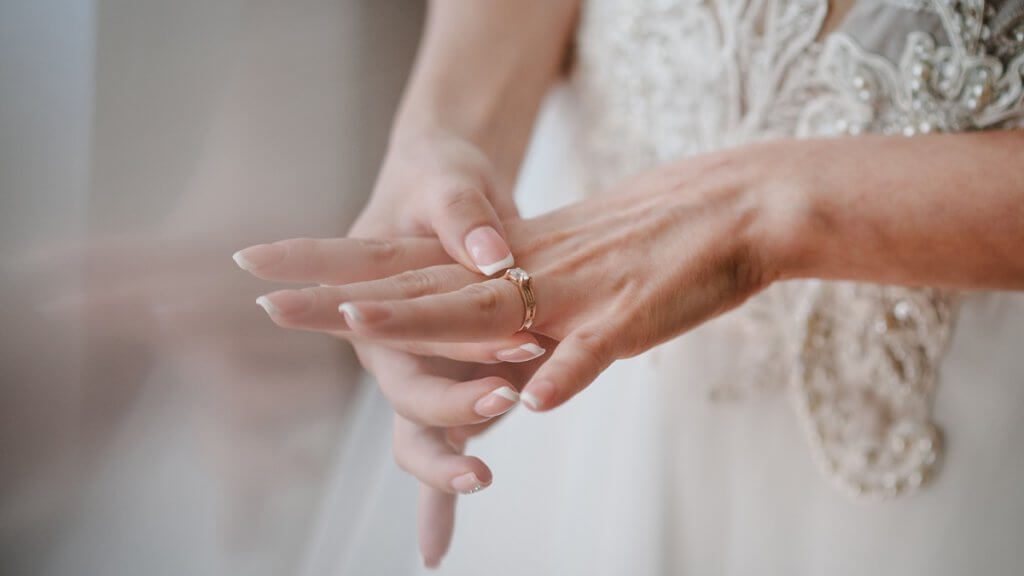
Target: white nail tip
<point x="350" y="311"/>
<point x="241" y="261"/>
<point x="532" y="349"/>
<point x="489" y="269"/>
<point x="530" y="400"/>
<point x="507" y="393"/>
<point x="267" y="305"/>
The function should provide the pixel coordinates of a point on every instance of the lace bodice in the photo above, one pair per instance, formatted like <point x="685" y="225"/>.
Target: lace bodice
<point x="661" y="79"/>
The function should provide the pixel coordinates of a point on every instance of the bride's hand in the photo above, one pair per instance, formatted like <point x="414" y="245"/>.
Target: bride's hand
<point x="612" y="276"/>
<point x="441" y="187"/>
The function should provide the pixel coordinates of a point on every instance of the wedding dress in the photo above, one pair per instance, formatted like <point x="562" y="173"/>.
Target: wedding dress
<point x="824" y="427"/>
<point x="765" y="442"/>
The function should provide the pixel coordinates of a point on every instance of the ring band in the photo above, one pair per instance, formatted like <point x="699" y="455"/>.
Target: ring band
<point x="524" y="282"/>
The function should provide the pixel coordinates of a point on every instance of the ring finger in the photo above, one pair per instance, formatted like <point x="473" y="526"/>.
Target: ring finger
<point x="488" y="309"/>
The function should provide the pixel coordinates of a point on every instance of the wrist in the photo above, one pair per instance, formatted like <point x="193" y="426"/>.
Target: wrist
<point x="481" y="124"/>
<point x="441" y="149"/>
<point x="781" y="180"/>
<point x="430" y="117"/>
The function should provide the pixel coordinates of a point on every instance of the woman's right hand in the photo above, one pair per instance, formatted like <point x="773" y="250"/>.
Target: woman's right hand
<point x="482" y="70"/>
<point x="442" y="187"/>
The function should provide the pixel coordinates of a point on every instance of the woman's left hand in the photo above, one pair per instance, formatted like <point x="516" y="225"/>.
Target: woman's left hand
<point x="612" y="276"/>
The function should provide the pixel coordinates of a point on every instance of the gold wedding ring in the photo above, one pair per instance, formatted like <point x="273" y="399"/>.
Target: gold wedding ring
<point x="524" y="282"/>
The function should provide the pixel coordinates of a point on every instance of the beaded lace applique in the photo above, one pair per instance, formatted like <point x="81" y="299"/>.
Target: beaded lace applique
<point x="661" y="79"/>
<point x="867" y="366"/>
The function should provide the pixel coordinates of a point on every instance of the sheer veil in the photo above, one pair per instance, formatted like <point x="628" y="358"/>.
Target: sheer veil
<point x="153" y="421"/>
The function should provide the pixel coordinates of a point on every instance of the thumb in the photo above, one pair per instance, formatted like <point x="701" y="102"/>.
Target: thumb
<point x="469" y="229"/>
<point x="576" y="362"/>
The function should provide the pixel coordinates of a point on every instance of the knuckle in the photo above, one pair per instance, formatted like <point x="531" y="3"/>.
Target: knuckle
<point x="460" y="199"/>
<point x="485" y="298"/>
<point x="415" y="283"/>
<point x="452" y="410"/>
<point x="382" y="250"/>
<point x="744" y="275"/>
<point x="418" y="348"/>
<point x="595" y="344"/>
<point x="399" y="453"/>
<point x="406" y="409"/>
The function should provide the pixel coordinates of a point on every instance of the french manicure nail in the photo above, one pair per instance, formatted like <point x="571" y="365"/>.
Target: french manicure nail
<point x="286" y="302"/>
<point x="258" y="256"/>
<point x="267" y="306"/>
<point x="366" y="312"/>
<point x="530" y="400"/>
<point x="468" y="484"/>
<point x="497" y="402"/>
<point x="523" y="353"/>
<point x="350" y="312"/>
<point x="488" y="251"/>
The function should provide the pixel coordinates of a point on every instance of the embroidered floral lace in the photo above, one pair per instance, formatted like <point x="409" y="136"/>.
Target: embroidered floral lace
<point x="661" y="79"/>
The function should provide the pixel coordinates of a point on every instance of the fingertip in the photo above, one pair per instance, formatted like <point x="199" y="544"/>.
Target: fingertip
<point x="267" y="305"/>
<point x="477" y="468"/>
<point x="539" y="395"/>
<point x="521" y="353"/>
<point x="436" y="521"/>
<point x="350" y="312"/>
<point x="241" y="261"/>
<point x="286" y="302"/>
<point x="259" y="256"/>
<point x="497" y="402"/>
<point x="469" y="483"/>
<point x="473" y="477"/>
<point x="364" y="313"/>
<point x="495" y="267"/>
<point x="488" y="250"/>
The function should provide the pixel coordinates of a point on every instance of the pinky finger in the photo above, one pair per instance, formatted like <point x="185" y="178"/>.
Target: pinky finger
<point x="575" y="363"/>
<point x="425" y="453"/>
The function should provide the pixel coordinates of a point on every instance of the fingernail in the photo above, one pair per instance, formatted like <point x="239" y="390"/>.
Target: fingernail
<point x="349" y="311"/>
<point x="541" y="393"/>
<point x="258" y="256"/>
<point x="497" y="402"/>
<point x="431" y="563"/>
<point x="488" y="251"/>
<point x="468" y="484"/>
<point x="268" y="306"/>
<point x="364" y="313"/>
<point x="523" y="353"/>
<point x="286" y="302"/>
<point x="530" y="400"/>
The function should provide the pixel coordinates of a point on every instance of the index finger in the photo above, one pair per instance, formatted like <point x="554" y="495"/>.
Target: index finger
<point x="339" y="260"/>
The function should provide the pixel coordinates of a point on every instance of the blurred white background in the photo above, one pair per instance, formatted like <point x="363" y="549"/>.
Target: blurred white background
<point x="152" y="420"/>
